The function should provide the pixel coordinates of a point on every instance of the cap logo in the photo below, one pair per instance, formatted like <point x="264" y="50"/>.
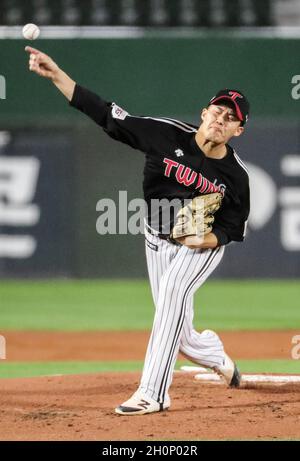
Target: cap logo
<point x="235" y="94"/>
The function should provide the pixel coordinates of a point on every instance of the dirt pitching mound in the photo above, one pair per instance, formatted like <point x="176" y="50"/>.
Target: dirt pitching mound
<point x="131" y="345"/>
<point x="82" y="408"/>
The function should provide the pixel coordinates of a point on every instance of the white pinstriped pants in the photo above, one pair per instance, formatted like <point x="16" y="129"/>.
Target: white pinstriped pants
<point x="175" y="273"/>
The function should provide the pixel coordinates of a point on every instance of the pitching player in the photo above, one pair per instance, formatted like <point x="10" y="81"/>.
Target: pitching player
<point x="182" y="161"/>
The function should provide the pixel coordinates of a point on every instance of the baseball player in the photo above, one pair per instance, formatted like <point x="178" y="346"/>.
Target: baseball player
<point x="184" y="162"/>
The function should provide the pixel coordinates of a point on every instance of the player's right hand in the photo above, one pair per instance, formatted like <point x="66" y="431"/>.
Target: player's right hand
<point x="41" y="63"/>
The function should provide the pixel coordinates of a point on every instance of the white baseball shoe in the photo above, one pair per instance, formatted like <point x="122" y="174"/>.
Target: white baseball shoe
<point x="140" y="404"/>
<point x="229" y="372"/>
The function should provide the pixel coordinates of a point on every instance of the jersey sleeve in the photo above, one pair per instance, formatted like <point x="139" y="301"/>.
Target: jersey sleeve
<point x="231" y="219"/>
<point x="138" y="132"/>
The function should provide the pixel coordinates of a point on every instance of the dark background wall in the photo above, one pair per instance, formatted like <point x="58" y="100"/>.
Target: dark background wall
<point x="167" y="76"/>
<point x="78" y="164"/>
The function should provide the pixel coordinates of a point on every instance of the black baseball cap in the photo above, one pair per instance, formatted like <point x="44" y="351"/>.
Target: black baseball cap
<point x="238" y="99"/>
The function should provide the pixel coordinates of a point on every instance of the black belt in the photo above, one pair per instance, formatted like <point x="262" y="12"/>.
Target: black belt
<point x="161" y="236"/>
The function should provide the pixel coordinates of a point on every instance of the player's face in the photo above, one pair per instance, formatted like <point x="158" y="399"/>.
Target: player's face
<point x="220" y="123"/>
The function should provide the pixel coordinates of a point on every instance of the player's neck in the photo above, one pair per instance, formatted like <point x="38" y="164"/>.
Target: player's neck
<point x="209" y="148"/>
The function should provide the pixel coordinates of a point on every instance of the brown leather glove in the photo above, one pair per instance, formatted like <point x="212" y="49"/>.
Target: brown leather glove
<point x="197" y="217"/>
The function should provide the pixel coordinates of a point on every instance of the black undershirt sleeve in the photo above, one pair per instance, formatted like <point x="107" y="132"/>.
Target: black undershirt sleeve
<point x="90" y="104"/>
<point x="142" y="133"/>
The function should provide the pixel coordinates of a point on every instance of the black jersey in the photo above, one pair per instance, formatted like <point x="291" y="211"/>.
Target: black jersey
<point x="175" y="167"/>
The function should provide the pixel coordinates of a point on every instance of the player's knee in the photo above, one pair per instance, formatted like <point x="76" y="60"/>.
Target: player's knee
<point x="183" y="346"/>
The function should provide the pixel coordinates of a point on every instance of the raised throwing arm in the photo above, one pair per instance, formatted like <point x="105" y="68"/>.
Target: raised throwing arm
<point x="44" y="66"/>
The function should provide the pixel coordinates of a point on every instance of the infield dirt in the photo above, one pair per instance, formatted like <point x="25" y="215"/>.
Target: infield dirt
<point x="81" y="407"/>
<point x="131" y="345"/>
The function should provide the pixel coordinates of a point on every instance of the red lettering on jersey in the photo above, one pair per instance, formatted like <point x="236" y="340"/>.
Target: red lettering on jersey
<point x="211" y="188"/>
<point x="200" y="179"/>
<point x="182" y="174"/>
<point x="170" y="164"/>
<point x="204" y="185"/>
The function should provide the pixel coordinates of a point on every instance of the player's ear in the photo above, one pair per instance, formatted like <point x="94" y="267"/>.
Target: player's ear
<point x="203" y="113"/>
<point x="240" y="129"/>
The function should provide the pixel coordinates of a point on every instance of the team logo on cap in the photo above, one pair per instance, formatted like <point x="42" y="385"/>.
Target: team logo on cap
<point x="235" y="94"/>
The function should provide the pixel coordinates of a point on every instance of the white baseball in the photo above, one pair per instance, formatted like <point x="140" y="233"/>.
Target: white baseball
<point x="31" y="31"/>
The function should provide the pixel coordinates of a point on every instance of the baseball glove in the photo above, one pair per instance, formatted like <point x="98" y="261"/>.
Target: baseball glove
<point x="197" y="217"/>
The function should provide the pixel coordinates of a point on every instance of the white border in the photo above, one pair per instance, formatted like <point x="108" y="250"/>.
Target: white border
<point x="280" y="379"/>
<point x="204" y="375"/>
<point x="71" y="32"/>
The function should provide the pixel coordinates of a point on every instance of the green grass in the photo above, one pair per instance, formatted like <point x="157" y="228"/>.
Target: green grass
<point x="269" y="366"/>
<point x="127" y="305"/>
<point x="30" y="369"/>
